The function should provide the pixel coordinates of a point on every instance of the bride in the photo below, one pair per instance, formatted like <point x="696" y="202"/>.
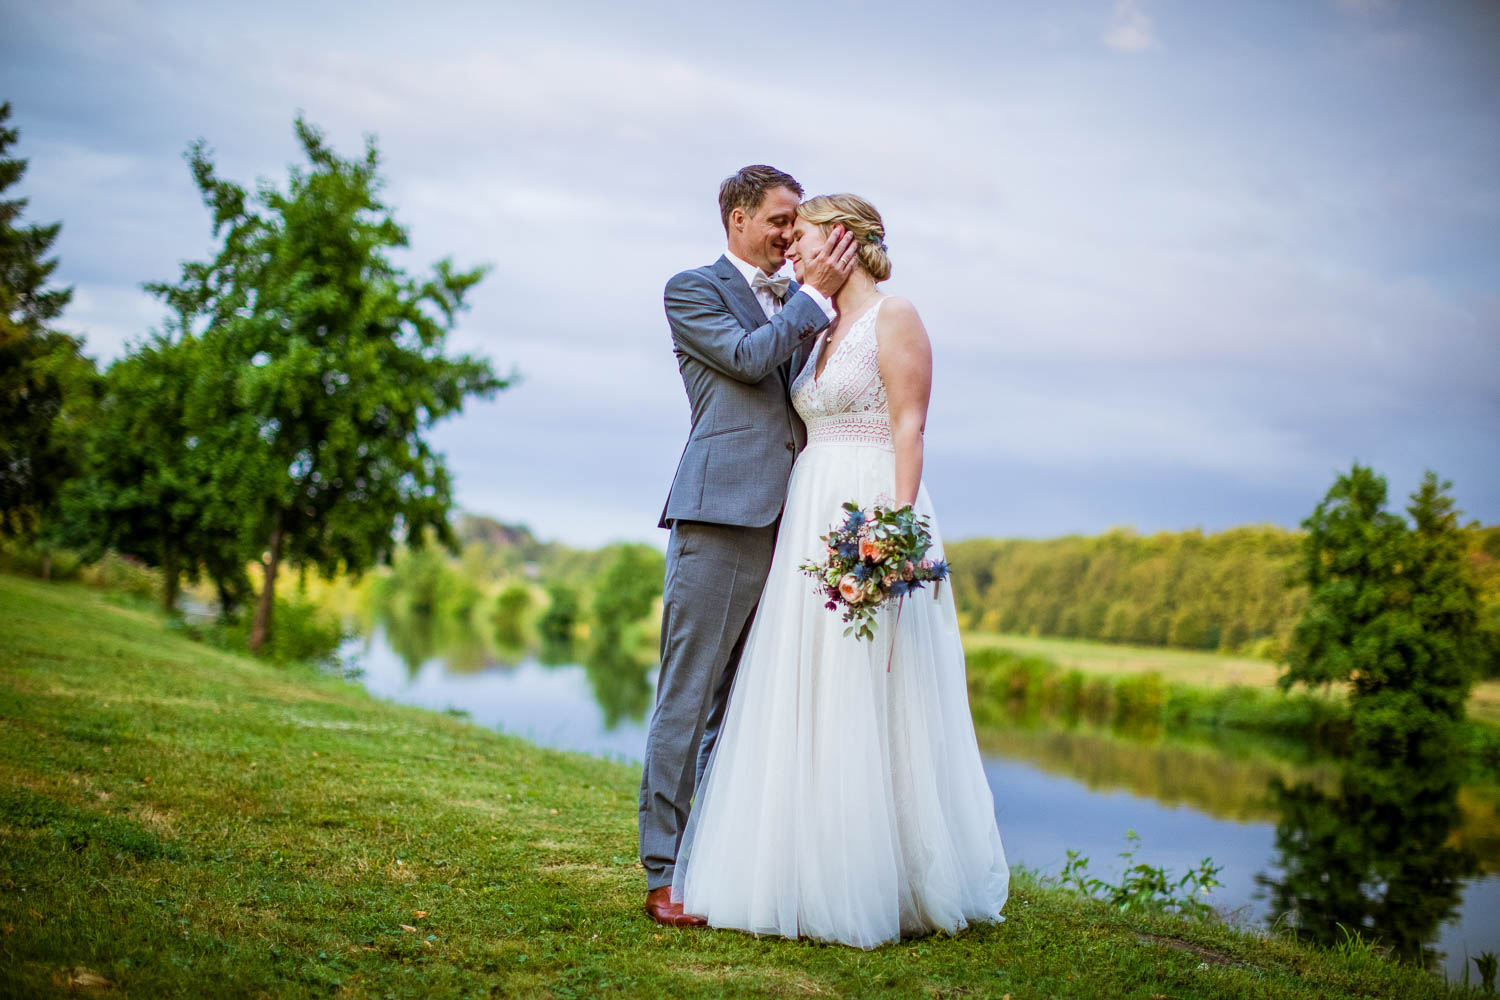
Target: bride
<point x="843" y="802"/>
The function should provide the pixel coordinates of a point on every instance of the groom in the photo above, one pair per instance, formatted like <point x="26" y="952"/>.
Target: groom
<point x="740" y="335"/>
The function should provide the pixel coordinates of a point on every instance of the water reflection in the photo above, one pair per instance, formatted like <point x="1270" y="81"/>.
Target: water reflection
<point x="621" y="681"/>
<point x="418" y="636"/>
<point x="618" y="677"/>
<point x="553" y="705"/>
<point x="1376" y="854"/>
<point x="1228" y="780"/>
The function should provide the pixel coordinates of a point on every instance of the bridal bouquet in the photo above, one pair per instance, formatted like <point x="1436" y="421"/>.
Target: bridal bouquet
<point x="871" y="558"/>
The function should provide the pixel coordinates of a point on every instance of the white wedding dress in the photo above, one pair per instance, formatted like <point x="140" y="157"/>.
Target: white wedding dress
<point x="843" y="802"/>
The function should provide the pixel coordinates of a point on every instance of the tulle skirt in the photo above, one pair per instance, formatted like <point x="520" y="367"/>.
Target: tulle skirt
<point x="843" y="802"/>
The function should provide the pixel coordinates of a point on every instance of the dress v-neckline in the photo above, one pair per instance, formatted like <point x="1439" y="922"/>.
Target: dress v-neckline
<point x="817" y="375"/>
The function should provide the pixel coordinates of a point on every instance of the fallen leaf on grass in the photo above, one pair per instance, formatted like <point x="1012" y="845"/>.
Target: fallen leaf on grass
<point x="87" y="978"/>
<point x="408" y="928"/>
<point x="32" y="910"/>
<point x="419" y="914"/>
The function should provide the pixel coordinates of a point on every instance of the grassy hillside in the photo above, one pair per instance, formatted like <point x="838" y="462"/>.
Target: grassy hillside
<point x="177" y="821"/>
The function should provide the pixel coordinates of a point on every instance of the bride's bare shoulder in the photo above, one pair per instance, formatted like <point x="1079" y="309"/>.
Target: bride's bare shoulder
<point x="898" y="318"/>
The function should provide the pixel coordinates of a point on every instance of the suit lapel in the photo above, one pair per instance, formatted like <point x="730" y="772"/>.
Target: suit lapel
<point x="746" y="306"/>
<point x="799" y="356"/>
<point x="748" y="310"/>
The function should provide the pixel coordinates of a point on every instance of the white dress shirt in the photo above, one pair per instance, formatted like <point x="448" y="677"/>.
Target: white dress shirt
<point x="770" y="303"/>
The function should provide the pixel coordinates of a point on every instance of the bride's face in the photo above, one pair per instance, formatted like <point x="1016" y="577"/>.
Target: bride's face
<point x="806" y="238"/>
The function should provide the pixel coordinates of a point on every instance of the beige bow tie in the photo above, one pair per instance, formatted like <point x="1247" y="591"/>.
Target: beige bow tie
<point x="776" y="285"/>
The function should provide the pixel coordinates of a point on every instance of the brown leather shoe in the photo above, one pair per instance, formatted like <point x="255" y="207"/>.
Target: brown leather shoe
<point x="659" y="907"/>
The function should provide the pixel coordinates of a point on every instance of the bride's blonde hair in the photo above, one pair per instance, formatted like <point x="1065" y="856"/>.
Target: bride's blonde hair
<point x="860" y="218"/>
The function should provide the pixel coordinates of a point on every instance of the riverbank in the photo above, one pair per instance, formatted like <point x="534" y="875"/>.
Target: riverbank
<point x="181" y="821"/>
<point x="1188" y="669"/>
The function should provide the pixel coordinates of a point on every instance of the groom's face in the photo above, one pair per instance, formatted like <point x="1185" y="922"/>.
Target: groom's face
<point x="762" y="237"/>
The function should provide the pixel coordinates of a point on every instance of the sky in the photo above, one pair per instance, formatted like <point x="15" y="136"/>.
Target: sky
<point x="1181" y="263"/>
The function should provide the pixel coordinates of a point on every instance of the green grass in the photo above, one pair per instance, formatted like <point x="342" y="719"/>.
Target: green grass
<point x="1192" y="668"/>
<point x="182" y="822"/>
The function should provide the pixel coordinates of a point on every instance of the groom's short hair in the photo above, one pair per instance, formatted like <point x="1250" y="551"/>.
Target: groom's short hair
<point x="746" y="188"/>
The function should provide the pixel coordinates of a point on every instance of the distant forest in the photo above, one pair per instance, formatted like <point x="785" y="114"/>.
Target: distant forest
<point x="1235" y="591"/>
<point x="1229" y="591"/>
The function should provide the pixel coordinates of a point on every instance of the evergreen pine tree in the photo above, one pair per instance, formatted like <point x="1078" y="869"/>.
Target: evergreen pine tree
<point x="1392" y="611"/>
<point x="45" y="382"/>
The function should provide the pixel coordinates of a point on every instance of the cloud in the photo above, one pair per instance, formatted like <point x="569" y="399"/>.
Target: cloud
<point x="1157" y="292"/>
<point x="1130" y="30"/>
<point x="1367" y="7"/>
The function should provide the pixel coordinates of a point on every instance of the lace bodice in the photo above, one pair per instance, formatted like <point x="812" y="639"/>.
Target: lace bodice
<point x="847" y="403"/>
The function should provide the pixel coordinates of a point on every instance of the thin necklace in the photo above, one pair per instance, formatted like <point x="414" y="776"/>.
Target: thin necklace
<point x="873" y="292"/>
<point x="829" y="345"/>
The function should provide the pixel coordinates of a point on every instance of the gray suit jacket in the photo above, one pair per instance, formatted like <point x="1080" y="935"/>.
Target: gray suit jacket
<point x="737" y="368"/>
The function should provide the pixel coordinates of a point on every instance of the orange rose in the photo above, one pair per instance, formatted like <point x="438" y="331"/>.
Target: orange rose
<point x="868" y="549"/>
<point x="849" y="588"/>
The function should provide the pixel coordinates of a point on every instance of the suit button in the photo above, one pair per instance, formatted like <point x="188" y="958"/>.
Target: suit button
<point x="790" y="446"/>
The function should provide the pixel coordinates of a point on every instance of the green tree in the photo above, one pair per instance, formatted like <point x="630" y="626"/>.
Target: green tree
<point x="144" y="485"/>
<point x="46" y="384"/>
<point x="624" y="592"/>
<point x="334" y="366"/>
<point x="509" y="615"/>
<point x="560" y="617"/>
<point x="1484" y="557"/>
<point x="1392" y="611"/>
<point x="1445" y="601"/>
<point x="627" y="587"/>
<point x="1185" y="589"/>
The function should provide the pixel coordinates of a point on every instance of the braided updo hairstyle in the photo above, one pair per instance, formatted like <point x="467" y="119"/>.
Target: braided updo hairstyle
<point x="858" y="217"/>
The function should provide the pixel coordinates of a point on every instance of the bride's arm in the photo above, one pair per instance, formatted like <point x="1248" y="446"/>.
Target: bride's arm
<point x="905" y="359"/>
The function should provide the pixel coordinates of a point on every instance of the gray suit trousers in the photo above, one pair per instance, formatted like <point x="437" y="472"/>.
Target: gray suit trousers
<point x="715" y="574"/>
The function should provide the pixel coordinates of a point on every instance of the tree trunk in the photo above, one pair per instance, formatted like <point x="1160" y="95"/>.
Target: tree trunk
<point x="170" y="574"/>
<point x="47" y="566"/>
<point x="260" y="631"/>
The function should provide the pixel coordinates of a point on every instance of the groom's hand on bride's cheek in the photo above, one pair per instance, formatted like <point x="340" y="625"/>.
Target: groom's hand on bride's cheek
<point x="830" y="265"/>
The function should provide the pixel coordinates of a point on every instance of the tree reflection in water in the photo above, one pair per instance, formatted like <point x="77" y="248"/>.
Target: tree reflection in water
<point x="1375" y="856"/>
<point x="418" y="636"/>
<point x="413" y="635"/>
<point x="554" y="652"/>
<point x="621" y="682"/>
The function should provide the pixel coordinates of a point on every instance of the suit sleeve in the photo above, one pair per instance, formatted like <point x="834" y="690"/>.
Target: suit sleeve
<point x="703" y="328"/>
